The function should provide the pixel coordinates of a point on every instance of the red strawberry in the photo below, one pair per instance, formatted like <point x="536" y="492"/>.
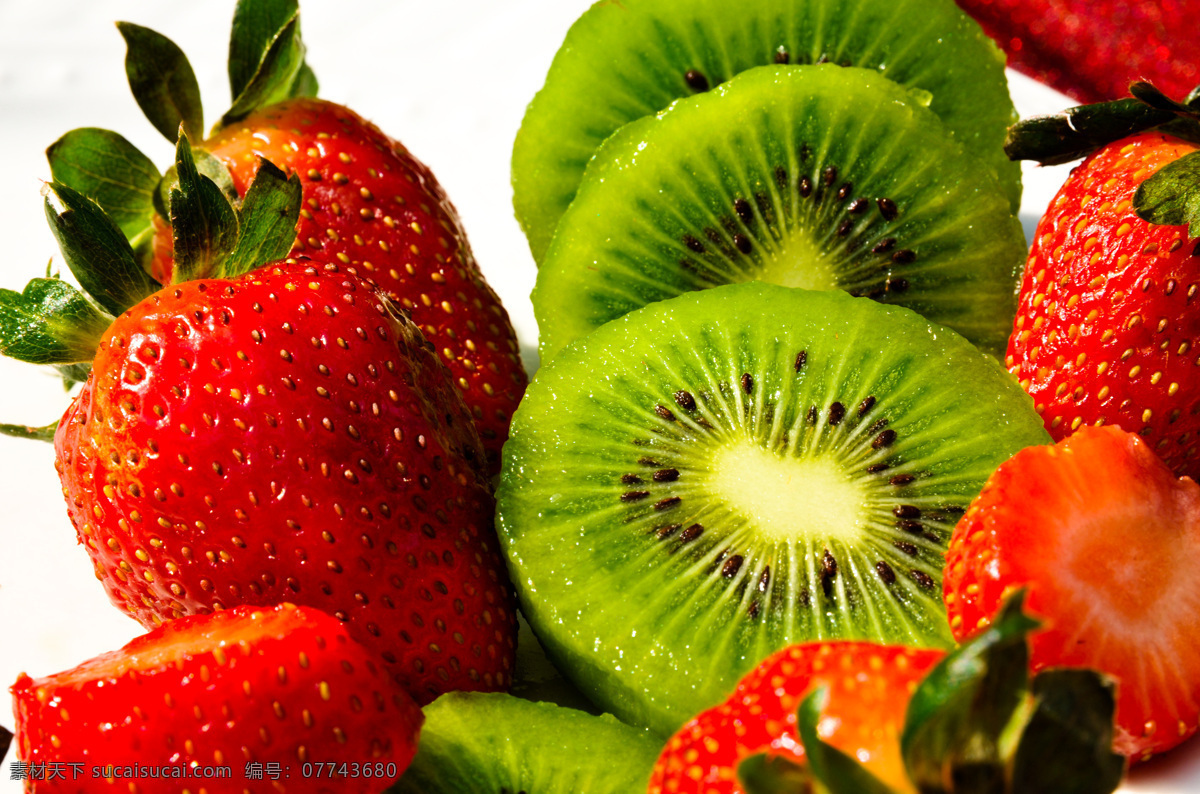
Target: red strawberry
<point x="1093" y="49"/>
<point x="1106" y="540"/>
<point x="368" y="203"/>
<point x="1108" y="327"/>
<point x="282" y="689"/>
<point x="869" y="688"/>
<point x="283" y="436"/>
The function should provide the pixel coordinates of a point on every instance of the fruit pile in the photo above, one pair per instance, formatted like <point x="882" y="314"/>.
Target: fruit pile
<point x="777" y="517"/>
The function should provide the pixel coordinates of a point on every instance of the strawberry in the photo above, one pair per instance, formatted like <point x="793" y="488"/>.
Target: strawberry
<point x="1092" y="49"/>
<point x="1108" y="325"/>
<point x="1106" y="540"/>
<point x="284" y="689"/>
<point x="869" y="687"/>
<point x="368" y="202"/>
<point x="265" y="435"/>
<point x="875" y="719"/>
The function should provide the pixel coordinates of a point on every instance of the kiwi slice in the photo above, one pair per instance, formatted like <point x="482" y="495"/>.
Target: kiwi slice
<point x="621" y="61"/>
<point x="820" y="177"/>
<point x="715" y="476"/>
<point x="475" y="743"/>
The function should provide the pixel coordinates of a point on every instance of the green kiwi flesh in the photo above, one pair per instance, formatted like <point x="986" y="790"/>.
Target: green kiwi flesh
<point x="624" y="60"/>
<point x="475" y="743"/>
<point x="820" y="177"/>
<point x="715" y="476"/>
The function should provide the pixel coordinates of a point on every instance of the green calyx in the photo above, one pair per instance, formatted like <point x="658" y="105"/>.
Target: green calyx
<point x="1171" y="197"/>
<point x="266" y="65"/>
<point x="977" y="724"/>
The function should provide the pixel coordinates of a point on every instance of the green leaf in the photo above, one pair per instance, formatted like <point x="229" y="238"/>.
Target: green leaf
<point x="162" y="81"/>
<point x="773" y="774"/>
<point x="204" y="222"/>
<point x="1079" y="131"/>
<point x="111" y="171"/>
<point x="33" y="434"/>
<point x="51" y="322"/>
<point x="96" y="251"/>
<point x="1172" y="196"/>
<point x="306" y="84"/>
<point x="282" y="64"/>
<point x="208" y="165"/>
<point x="837" y="772"/>
<point x="74" y="373"/>
<point x="962" y="710"/>
<point x="256" y="24"/>
<point x="267" y="218"/>
<point x="1066" y="747"/>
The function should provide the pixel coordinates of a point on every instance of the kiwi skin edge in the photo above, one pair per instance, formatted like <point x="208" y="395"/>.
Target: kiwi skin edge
<point x="654" y="626"/>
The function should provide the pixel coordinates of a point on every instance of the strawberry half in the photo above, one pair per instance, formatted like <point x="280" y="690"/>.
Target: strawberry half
<point x="869" y="688"/>
<point x="1092" y="50"/>
<point x="1106" y="540"/>
<point x="368" y="203"/>
<point x="285" y="686"/>
<point x="1108" y="324"/>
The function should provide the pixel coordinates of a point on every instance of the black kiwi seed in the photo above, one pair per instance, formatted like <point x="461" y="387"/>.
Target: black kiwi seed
<point x="670" y="529"/>
<point x="667" y="504"/>
<point x="664" y="412"/>
<point x="666" y="475"/>
<point x="902" y="479"/>
<point x="695" y="245"/>
<point x="866" y="405"/>
<point x="844" y="228"/>
<point x="685" y="400"/>
<point x="923" y="579"/>
<point x="634" y="496"/>
<point x="764" y="581"/>
<point x="905" y="547"/>
<point x="844" y="191"/>
<point x="696" y="80"/>
<point x="884" y="439"/>
<point x="811" y="418"/>
<point x="915" y="527"/>
<point x="888" y="209"/>
<point x="829" y="571"/>
<point x="837" y="412"/>
<point x="801" y="360"/>
<point x="691" y="533"/>
<point x="731" y="566"/>
<point x="884" y="245"/>
<point x="781" y="55"/>
<point x="906" y="511"/>
<point x="651" y="462"/>
<point x="904" y="256"/>
<point x="752" y="610"/>
<point x="858" y="206"/>
<point x="742" y="243"/>
<point x="805" y="187"/>
<point x="830" y="175"/>
<point x="875" y="468"/>
<point x="743" y="210"/>
<point x="885" y="572"/>
<point x="747" y="382"/>
<point x="630" y="479"/>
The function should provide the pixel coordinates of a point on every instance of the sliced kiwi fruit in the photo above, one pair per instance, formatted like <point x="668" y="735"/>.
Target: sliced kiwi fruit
<point x="820" y="177"/>
<point x="624" y="60"/>
<point x="475" y="743"/>
<point x="712" y="477"/>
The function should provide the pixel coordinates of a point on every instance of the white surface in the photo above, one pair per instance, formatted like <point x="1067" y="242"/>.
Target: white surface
<point x="449" y="79"/>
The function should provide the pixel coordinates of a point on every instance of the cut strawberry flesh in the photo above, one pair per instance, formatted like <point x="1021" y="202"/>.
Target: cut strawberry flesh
<point x="1107" y="540"/>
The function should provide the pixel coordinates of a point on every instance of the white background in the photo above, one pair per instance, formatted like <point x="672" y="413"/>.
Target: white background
<point x="449" y="78"/>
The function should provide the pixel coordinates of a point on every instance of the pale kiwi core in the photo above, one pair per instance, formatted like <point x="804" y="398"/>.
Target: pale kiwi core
<point x="788" y="497"/>
<point x="801" y="263"/>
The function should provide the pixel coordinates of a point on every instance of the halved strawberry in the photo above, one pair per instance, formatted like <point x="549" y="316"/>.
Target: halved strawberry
<point x="1107" y="541"/>
<point x="238" y="689"/>
<point x="869" y="688"/>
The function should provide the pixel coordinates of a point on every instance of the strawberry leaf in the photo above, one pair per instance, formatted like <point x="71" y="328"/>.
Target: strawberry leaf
<point x="208" y="165"/>
<point x="267" y="218"/>
<point x="96" y="251"/>
<point x="111" y="171"/>
<point x="959" y="713"/>
<point x="1172" y="196"/>
<point x="51" y="322"/>
<point x="1078" y="131"/>
<point x="162" y="81"/>
<point x="306" y="84"/>
<point x="763" y="773"/>
<point x="33" y="434"/>
<point x="275" y="34"/>
<point x="1066" y="747"/>
<point x="837" y="772"/>
<point x="74" y="373"/>
<point x="204" y="222"/>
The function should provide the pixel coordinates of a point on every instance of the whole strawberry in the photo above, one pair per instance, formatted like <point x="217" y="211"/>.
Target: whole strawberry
<point x="1108" y="325"/>
<point x="267" y="434"/>
<point x="368" y="203"/>
<point x="278" y="700"/>
<point x="1106" y="540"/>
<point x="1092" y="49"/>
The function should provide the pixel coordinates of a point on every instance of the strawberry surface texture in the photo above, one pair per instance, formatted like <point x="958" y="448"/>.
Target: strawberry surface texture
<point x="289" y="436"/>
<point x="199" y="701"/>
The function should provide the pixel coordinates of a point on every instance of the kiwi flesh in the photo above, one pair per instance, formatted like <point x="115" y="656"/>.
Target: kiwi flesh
<point x="819" y="176"/>
<point x="715" y="476"/>
<point x="624" y="60"/>
<point x="476" y="743"/>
